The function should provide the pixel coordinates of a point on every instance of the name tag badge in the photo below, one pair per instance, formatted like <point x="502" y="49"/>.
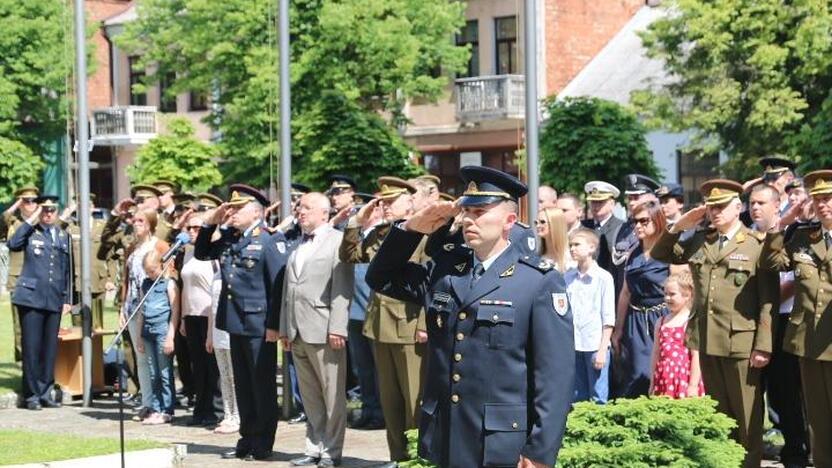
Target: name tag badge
<point x="254" y="247"/>
<point x="441" y="298"/>
<point x="739" y="256"/>
<point x="38" y="243"/>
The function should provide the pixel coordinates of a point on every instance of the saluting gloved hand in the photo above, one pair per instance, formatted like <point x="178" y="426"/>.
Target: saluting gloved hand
<point x="342" y="215"/>
<point x="365" y="213"/>
<point x="219" y="215"/>
<point x="432" y="217"/>
<point x="35" y="216"/>
<point x="690" y="219"/>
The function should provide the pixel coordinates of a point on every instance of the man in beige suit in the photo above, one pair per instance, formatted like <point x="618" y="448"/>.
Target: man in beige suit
<point x="316" y="296"/>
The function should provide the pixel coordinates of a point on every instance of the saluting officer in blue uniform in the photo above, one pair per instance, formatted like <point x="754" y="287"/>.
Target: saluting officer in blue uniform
<point x="500" y="370"/>
<point x="252" y="263"/>
<point x="447" y="239"/>
<point x="41" y="295"/>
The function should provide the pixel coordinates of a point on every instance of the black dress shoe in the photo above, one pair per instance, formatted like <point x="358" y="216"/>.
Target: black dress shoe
<point x="305" y="461"/>
<point x="50" y="404"/>
<point x="260" y="455"/>
<point x="300" y="418"/>
<point x="233" y="454"/>
<point x="196" y="422"/>
<point x="34" y="406"/>
<point x="373" y="425"/>
<point x="329" y="462"/>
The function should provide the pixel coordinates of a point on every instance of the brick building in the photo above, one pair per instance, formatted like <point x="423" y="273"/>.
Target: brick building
<point x="480" y="118"/>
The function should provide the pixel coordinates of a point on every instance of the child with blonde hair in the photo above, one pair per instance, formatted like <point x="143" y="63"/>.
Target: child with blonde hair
<point x="158" y="320"/>
<point x="676" y="371"/>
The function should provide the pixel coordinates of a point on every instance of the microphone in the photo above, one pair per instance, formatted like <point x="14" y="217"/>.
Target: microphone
<point x="181" y="239"/>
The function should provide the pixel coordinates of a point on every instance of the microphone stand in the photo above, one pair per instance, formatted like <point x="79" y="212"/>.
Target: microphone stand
<point x="117" y="342"/>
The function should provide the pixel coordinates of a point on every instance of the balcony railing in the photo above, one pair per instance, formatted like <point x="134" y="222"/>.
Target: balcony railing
<point x="123" y="125"/>
<point x="490" y="98"/>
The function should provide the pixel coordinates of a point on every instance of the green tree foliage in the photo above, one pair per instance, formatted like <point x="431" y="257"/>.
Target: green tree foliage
<point x="640" y="433"/>
<point x="748" y="76"/>
<point x="19" y="167"/>
<point x="376" y="54"/>
<point x="35" y="75"/>
<point x="591" y="139"/>
<point x="336" y="135"/>
<point x="178" y="157"/>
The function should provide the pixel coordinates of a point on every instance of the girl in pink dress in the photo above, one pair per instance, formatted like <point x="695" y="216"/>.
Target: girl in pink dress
<point x="676" y="371"/>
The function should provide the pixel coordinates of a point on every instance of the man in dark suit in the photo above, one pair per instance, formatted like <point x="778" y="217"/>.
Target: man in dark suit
<point x="41" y="295"/>
<point x="495" y="393"/>
<point x="252" y="262"/>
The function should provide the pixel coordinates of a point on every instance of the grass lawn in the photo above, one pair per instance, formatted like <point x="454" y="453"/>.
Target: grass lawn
<point x="9" y="370"/>
<point x="30" y="447"/>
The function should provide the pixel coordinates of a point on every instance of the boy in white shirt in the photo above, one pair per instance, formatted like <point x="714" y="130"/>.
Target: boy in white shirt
<point x="592" y="298"/>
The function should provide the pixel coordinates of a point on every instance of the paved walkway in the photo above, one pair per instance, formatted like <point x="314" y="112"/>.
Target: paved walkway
<point x="361" y="448"/>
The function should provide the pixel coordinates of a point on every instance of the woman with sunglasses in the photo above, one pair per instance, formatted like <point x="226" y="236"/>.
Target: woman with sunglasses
<point x="641" y="303"/>
<point x="145" y="240"/>
<point x="197" y="283"/>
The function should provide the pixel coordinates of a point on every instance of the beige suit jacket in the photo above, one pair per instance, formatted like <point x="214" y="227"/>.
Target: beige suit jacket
<point x="316" y="297"/>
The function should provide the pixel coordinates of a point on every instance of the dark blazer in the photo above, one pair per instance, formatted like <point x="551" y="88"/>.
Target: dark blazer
<point x="44" y="281"/>
<point x="500" y="365"/>
<point x="252" y="270"/>
<point x="608" y="233"/>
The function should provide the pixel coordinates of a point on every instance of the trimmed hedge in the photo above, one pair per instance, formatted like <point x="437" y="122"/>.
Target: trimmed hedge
<point x="644" y="432"/>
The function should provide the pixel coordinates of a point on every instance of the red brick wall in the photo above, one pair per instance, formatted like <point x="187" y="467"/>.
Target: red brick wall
<point x="576" y="30"/>
<point x="99" y="90"/>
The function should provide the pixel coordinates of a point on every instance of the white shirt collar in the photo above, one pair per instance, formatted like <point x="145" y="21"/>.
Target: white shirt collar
<point x="604" y="221"/>
<point x="733" y="232"/>
<point x="490" y="260"/>
<point x="251" y="228"/>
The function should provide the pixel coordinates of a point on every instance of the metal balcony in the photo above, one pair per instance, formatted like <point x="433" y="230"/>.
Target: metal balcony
<point x="484" y="98"/>
<point x="123" y="125"/>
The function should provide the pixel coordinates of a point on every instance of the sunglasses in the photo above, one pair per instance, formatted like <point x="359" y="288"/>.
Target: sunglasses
<point x="642" y="221"/>
<point x="27" y="200"/>
<point x="49" y="209"/>
<point x="540" y="222"/>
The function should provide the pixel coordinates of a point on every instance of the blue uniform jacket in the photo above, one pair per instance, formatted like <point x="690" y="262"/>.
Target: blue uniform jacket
<point x="44" y="280"/>
<point x="501" y="356"/>
<point x="252" y="277"/>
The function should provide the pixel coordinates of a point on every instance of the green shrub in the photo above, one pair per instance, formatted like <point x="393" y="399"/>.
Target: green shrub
<point x="648" y="432"/>
<point x="645" y="432"/>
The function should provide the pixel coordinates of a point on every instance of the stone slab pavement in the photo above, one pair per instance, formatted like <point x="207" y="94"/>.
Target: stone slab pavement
<point x="361" y="448"/>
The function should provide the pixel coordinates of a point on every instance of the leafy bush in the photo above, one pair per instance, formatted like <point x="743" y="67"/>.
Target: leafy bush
<point x="19" y="167"/>
<point x="587" y="138"/>
<point x="644" y="432"/>
<point x="177" y="156"/>
<point x="648" y="432"/>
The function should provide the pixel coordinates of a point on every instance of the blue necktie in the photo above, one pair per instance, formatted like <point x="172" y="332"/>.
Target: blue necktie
<point x="476" y="273"/>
